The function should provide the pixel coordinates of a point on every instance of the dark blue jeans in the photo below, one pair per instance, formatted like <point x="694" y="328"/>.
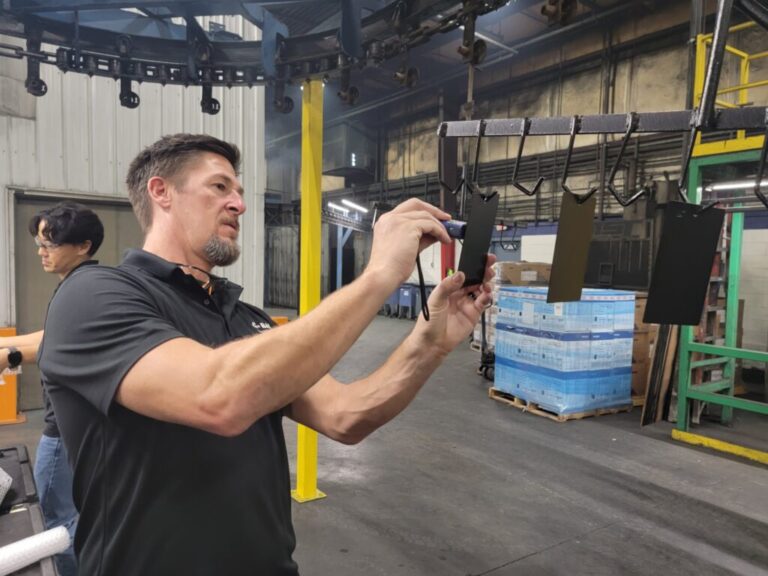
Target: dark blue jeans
<point x="53" y="478"/>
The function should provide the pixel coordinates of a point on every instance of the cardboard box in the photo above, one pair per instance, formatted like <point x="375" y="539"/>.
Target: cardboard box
<point x="523" y="273"/>
<point x="641" y="346"/>
<point x="640" y="377"/>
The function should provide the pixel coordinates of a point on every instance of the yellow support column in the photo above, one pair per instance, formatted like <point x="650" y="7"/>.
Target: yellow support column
<point x="309" y="277"/>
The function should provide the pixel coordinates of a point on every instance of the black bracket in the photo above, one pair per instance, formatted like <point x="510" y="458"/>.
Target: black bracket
<point x="124" y="68"/>
<point x="574" y="130"/>
<point x="347" y="93"/>
<point x="33" y="83"/>
<point x="128" y="98"/>
<point x="471" y="50"/>
<point x="524" y="129"/>
<point x="632" y="122"/>
<point x="209" y="104"/>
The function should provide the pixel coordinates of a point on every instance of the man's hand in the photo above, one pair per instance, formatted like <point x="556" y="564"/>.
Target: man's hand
<point x="4" y="359"/>
<point x="400" y="235"/>
<point x="454" y="311"/>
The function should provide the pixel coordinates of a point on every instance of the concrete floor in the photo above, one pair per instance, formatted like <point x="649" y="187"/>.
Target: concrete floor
<point x="461" y="485"/>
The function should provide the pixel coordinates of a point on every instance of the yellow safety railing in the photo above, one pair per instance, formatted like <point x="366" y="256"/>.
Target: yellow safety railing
<point x="741" y="142"/>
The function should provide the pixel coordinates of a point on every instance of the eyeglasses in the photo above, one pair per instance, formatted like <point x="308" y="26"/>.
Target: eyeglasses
<point x="46" y="245"/>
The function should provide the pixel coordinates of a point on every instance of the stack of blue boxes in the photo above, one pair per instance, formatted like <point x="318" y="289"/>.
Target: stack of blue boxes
<point x="567" y="357"/>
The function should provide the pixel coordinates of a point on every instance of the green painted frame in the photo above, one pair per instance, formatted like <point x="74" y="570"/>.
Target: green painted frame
<point x="721" y="391"/>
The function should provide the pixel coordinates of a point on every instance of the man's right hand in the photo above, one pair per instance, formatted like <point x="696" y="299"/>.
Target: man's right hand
<point x="400" y="235"/>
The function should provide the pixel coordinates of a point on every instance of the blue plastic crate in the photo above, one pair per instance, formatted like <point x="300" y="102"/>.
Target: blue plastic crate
<point x="406" y="301"/>
<point x="390" y="307"/>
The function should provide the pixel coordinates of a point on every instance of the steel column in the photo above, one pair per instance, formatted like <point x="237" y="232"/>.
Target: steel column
<point x="342" y="235"/>
<point x="732" y="303"/>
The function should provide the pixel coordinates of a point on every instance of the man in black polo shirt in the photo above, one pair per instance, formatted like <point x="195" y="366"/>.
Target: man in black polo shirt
<point x="67" y="236"/>
<point x="170" y="391"/>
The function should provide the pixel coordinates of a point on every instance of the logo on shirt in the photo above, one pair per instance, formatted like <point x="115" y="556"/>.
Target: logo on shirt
<point x="261" y="325"/>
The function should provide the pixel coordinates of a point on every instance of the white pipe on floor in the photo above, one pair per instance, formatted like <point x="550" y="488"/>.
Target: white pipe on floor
<point x="25" y="552"/>
<point x="5" y="484"/>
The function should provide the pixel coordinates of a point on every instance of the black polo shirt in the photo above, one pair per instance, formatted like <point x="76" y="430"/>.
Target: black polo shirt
<point x="157" y="498"/>
<point x="51" y="429"/>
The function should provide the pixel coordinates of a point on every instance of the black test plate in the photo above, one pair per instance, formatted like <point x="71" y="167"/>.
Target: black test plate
<point x="477" y="238"/>
<point x="574" y="233"/>
<point x="689" y="239"/>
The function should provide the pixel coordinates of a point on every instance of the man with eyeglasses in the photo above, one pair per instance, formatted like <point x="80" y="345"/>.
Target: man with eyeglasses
<point x="66" y="236"/>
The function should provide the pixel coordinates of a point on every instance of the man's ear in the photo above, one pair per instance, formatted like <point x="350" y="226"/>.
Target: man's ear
<point x="84" y="248"/>
<point x="159" y="191"/>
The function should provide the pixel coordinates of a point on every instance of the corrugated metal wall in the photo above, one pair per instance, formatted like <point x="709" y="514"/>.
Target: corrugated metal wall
<point x="282" y="273"/>
<point x="78" y="139"/>
<point x="282" y="266"/>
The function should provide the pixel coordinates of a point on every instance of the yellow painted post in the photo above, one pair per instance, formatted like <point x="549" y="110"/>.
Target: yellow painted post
<point x="310" y="265"/>
<point x="744" y="79"/>
<point x="702" y="41"/>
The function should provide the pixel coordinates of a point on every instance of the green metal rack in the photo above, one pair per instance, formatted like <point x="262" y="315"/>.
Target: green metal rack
<point x="718" y="392"/>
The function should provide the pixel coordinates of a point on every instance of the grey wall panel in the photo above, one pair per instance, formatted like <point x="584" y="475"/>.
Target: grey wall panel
<point x="127" y="144"/>
<point x="282" y="274"/>
<point x="24" y="157"/>
<point x="103" y="142"/>
<point x="77" y="117"/>
<point x="50" y="131"/>
<point x="150" y="113"/>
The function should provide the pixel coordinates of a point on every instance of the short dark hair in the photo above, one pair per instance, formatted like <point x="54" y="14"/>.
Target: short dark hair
<point x="69" y="223"/>
<point x="167" y="158"/>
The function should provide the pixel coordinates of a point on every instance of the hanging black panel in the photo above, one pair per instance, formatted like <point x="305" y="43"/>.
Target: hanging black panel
<point x="683" y="266"/>
<point x="477" y="239"/>
<point x="574" y="233"/>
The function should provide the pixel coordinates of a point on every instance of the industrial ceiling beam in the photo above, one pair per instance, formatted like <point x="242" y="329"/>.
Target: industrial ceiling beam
<point x="100" y="41"/>
<point x="173" y="7"/>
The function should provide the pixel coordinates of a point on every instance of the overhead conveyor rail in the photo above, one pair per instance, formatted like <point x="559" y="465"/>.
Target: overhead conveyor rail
<point x="149" y="44"/>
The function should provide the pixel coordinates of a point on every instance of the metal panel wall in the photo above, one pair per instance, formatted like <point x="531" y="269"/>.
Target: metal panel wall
<point x="80" y="140"/>
<point x="283" y="270"/>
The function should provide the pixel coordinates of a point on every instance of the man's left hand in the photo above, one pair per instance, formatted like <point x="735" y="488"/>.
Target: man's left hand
<point x="454" y="311"/>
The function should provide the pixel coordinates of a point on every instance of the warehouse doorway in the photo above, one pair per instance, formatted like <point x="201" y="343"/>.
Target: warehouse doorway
<point x="34" y="287"/>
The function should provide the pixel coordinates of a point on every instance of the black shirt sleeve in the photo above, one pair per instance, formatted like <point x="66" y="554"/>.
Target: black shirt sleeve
<point x="100" y="322"/>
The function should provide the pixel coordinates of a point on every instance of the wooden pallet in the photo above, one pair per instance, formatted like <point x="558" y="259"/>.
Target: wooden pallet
<point x="638" y="400"/>
<point x="534" y="408"/>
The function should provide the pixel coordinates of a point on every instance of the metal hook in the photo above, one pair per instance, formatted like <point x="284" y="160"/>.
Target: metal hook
<point x="524" y="129"/>
<point x="632" y="122"/>
<point x="454" y="191"/>
<point x="580" y="199"/>
<point x="476" y="166"/>
<point x="681" y="184"/>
